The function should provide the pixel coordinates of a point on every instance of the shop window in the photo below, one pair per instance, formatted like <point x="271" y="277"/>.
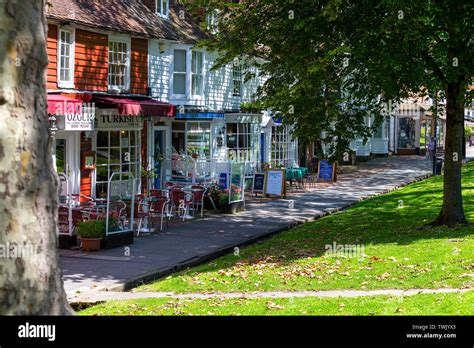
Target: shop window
<point x="117" y="151"/>
<point x="66" y="58"/>
<point x="192" y="138"/>
<point x="406" y="133"/>
<point x="197" y="75"/>
<point x="281" y="141"/>
<point x="119" y="65"/>
<point x="239" y="141"/>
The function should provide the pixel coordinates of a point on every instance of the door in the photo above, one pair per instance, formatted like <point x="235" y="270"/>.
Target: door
<point x="159" y="156"/>
<point x="66" y="161"/>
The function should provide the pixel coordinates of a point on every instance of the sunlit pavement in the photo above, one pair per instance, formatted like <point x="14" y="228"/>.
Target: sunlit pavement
<point x="189" y="243"/>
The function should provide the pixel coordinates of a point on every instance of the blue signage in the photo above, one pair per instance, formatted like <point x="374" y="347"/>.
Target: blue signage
<point x="326" y="170"/>
<point x="223" y="180"/>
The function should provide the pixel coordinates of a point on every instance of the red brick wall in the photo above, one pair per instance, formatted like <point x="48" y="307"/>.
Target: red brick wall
<point x="91" y="61"/>
<point x="52" y="48"/>
<point x="139" y="66"/>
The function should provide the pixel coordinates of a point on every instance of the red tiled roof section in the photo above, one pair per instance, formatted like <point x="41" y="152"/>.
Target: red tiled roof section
<point x="128" y="16"/>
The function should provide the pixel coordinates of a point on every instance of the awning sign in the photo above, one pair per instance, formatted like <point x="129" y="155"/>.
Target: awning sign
<point x="119" y="121"/>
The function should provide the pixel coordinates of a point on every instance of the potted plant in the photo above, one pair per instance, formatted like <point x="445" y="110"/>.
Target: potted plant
<point x="91" y="233"/>
<point x="251" y="107"/>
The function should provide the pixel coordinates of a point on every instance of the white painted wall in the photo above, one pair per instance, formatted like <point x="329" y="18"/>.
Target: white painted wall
<point x="218" y="85"/>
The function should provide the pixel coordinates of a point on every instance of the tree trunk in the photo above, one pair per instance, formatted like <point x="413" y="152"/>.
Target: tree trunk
<point x="30" y="277"/>
<point x="452" y="212"/>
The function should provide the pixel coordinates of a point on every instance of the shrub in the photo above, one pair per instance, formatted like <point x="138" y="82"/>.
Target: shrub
<point x="91" y="229"/>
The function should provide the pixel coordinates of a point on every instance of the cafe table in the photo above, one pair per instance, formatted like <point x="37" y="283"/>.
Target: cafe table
<point x="296" y="174"/>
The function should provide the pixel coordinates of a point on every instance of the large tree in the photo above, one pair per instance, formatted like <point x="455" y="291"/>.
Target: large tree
<point x="30" y="277"/>
<point x="329" y="58"/>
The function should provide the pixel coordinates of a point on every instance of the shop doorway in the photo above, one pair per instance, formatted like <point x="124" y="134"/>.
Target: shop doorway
<point x="65" y="160"/>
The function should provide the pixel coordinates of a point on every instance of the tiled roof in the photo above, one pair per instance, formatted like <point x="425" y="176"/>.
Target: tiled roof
<point x="127" y="16"/>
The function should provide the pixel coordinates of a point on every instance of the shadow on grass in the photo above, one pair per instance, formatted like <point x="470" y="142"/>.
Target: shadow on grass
<point x="380" y="220"/>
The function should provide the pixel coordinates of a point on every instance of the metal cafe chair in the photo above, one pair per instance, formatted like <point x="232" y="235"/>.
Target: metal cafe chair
<point x="141" y="212"/>
<point x="159" y="208"/>
<point x="199" y="192"/>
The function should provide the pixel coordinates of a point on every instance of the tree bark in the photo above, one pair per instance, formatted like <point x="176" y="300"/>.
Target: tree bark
<point x="30" y="277"/>
<point x="452" y="212"/>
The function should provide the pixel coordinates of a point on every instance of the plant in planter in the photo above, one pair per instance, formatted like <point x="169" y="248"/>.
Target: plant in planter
<point x="251" y="107"/>
<point x="221" y="199"/>
<point x="91" y="233"/>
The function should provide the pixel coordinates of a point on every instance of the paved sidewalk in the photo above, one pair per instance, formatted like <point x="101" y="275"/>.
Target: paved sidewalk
<point x="191" y="243"/>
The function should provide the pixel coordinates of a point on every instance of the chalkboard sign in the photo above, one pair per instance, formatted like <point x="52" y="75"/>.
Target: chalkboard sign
<point x="258" y="185"/>
<point x="275" y="183"/>
<point x="223" y="180"/>
<point x="326" y="171"/>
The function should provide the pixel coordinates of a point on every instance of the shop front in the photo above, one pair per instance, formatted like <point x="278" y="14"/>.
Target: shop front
<point x="197" y="145"/>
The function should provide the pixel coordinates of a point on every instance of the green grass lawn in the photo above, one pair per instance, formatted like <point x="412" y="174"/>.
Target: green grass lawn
<point x="425" y="304"/>
<point x="397" y="253"/>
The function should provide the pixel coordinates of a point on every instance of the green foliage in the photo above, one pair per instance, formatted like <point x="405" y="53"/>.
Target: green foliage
<point x="330" y="63"/>
<point x="91" y="229"/>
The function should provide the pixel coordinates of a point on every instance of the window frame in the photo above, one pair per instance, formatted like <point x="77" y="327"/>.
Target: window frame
<point x="281" y="140"/>
<point x="127" y="41"/>
<point x="239" y="80"/>
<point x="188" y="78"/>
<point x="193" y="74"/>
<point x="159" y="8"/>
<point x="72" y="32"/>
<point x="187" y="131"/>
<point x="137" y="163"/>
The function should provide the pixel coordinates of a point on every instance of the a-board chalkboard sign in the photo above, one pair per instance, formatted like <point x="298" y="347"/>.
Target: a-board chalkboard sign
<point x="258" y="185"/>
<point x="326" y="171"/>
<point x="275" y="182"/>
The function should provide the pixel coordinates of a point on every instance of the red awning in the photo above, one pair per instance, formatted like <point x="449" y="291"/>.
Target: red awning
<point x="61" y="105"/>
<point x="137" y="107"/>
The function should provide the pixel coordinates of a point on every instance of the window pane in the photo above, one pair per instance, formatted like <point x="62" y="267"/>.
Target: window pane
<point x="115" y="139"/>
<point x="180" y="60"/>
<point x="179" y="84"/>
<point x="178" y="126"/>
<point x="102" y="139"/>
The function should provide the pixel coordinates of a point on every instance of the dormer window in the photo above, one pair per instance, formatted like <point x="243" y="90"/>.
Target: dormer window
<point x="162" y="7"/>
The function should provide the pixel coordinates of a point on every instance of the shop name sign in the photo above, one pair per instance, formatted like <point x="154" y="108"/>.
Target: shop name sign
<point x="79" y="122"/>
<point x="74" y="116"/>
<point x="119" y="121"/>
